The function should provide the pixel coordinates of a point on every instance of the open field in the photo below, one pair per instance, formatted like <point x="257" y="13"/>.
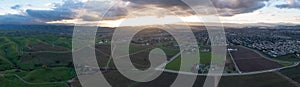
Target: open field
<point x="12" y="49"/>
<point x="249" y="61"/>
<point x="257" y="80"/>
<point x="12" y="81"/>
<point x="37" y="76"/>
<point x="293" y="73"/>
<point x="139" y="55"/>
<point x="39" y="47"/>
<point x="205" y="59"/>
<point x="50" y="59"/>
<point x="289" y="57"/>
<point x="27" y="57"/>
<point x="270" y="79"/>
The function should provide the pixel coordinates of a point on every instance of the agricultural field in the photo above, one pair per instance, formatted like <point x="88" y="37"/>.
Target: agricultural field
<point x="271" y="79"/>
<point x="292" y="73"/>
<point x="138" y="54"/>
<point x="249" y="61"/>
<point x="205" y="59"/>
<point x="289" y="57"/>
<point x="257" y="80"/>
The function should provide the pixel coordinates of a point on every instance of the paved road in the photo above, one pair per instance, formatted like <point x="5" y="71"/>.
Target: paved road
<point x="49" y="52"/>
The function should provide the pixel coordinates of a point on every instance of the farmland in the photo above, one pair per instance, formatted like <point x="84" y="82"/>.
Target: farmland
<point x="45" y="57"/>
<point x="249" y="61"/>
<point x="257" y="80"/>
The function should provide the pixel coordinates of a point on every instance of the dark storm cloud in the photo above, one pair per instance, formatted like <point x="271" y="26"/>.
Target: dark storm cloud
<point x="161" y="3"/>
<point x="16" y="7"/>
<point x="31" y="16"/>
<point x="50" y="15"/>
<point x="70" y="9"/>
<point x="64" y="11"/>
<point x="229" y="8"/>
<point x="290" y="4"/>
<point x="225" y="7"/>
<point x="95" y="10"/>
<point x="18" y="19"/>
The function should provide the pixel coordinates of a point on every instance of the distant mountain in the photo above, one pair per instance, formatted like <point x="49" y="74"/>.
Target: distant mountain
<point x="12" y="27"/>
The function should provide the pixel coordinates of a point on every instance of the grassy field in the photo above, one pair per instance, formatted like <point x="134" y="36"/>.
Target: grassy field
<point x="50" y="59"/>
<point x="57" y="74"/>
<point x="14" y="55"/>
<point x="289" y="57"/>
<point x="205" y="58"/>
<point x="12" y="49"/>
<point x="12" y="81"/>
<point x="50" y="75"/>
<point x="41" y="75"/>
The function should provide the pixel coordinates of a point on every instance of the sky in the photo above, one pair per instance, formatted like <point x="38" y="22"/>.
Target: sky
<point x="113" y="13"/>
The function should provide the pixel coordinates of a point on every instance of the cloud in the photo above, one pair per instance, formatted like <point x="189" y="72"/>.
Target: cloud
<point x="95" y="10"/>
<point x="297" y="18"/>
<point x="18" y="19"/>
<point x="290" y="4"/>
<point x="225" y="7"/>
<point x="68" y="10"/>
<point x="161" y="3"/>
<point x="64" y="11"/>
<point x="59" y="12"/>
<point x="232" y="7"/>
<point x="16" y="7"/>
<point x="50" y="15"/>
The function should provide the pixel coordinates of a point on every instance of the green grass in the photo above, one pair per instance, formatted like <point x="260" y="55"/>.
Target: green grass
<point x="10" y="52"/>
<point x="135" y="48"/>
<point x="24" y="42"/>
<point x="205" y="58"/>
<point x="12" y="81"/>
<point x="13" y="71"/>
<point x="50" y="75"/>
<point x="174" y="65"/>
<point x="58" y="41"/>
<point x="289" y="57"/>
<point x="41" y="75"/>
<point x="5" y="64"/>
<point x="170" y="51"/>
<point x="11" y="47"/>
<point x="45" y="58"/>
<point x="57" y="74"/>
<point x="285" y="63"/>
